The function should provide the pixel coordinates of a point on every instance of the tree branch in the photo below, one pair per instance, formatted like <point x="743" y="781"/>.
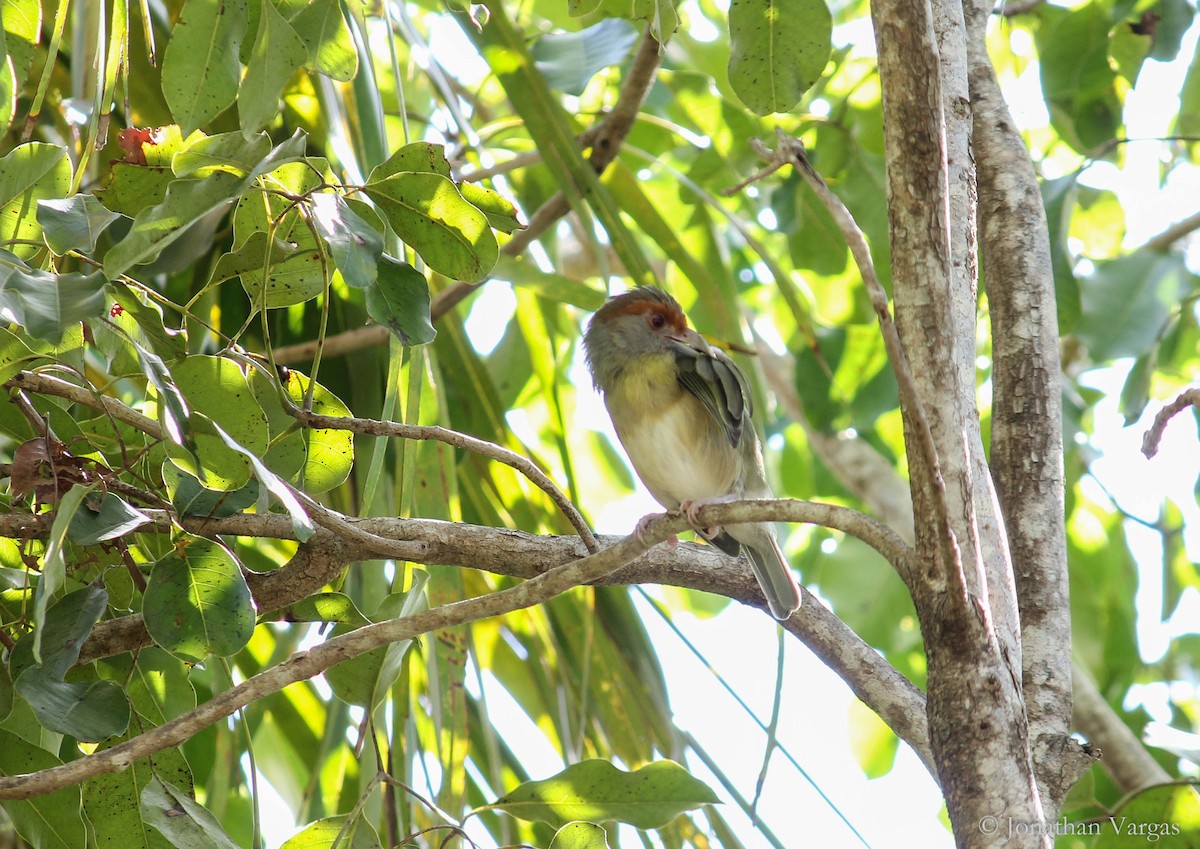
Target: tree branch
<point x="1125" y="758"/>
<point x="1027" y="450"/>
<point x="1153" y="437"/>
<point x="870" y="676"/>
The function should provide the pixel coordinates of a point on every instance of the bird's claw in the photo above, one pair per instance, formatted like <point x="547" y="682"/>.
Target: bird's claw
<point x="642" y="531"/>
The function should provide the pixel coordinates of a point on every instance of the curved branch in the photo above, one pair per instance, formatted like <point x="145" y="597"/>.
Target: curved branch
<point x="902" y="705"/>
<point x="1186" y="398"/>
<point x="375" y="427"/>
<point x="47" y="385"/>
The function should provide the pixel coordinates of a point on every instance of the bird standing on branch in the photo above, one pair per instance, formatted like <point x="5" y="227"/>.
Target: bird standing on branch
<point x="682" y="410"/>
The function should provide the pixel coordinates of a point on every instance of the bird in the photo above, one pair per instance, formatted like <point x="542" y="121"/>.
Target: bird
<point x="682" y="410"/>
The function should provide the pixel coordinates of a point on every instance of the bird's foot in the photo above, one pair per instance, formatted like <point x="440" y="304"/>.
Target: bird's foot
<point x="691" y="511"/>
<point x="642" y="531"/>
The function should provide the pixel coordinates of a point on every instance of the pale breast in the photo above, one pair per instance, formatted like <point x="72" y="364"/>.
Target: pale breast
<point x="678" y="450"/>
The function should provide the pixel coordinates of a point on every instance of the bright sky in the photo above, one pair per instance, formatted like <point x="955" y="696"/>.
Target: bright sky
<point x="903" y="807"/>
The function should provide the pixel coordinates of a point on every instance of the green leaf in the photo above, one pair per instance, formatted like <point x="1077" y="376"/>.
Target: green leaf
<point x="173" y="410"/>
<point x="53" y="821"/>
<point x="74" y="223"/>
<point x="231" y="152"/>
<point x="301" y="523"/>
<point x="47" y="305"/>
<point x="218" y="393"/>
<point x="182" y="820"/>
<point x="777" y="50"/>
<point x="54" y="565"/>
<point x="31" y="172"/>
<point x="201" y="71"/>
<point x="422" y="157"/>
<point x="67" y="624"/>
<point x="1127" y="301"/>
<point x="1188" y="121"/>
<point x="1127" y="51"/>
<point x="399" y="300"/>
<point x="278" y="52"/>
<point x="872" y="741"/>
<point x="325" y="834"/>
<point x="317" y="459"/>
<point x="88" y="711"/>
<point x="366" y="679"/>
<point x="1135" y="392"/>
<point x="547" y="284"/>
<point x="580" y="835"/>
<point x="500" y="212"/>
<point x="1167" y="816"/>
<point x="142" y="181"/>
<point x="325" y="607"/>
<point x="353" y="243"/>
<point x="432" y="217"/>
<point x="1058" y="196"/>
<point x="568" y="60"/>
<point x="197" y="602"/>
<point x="301" y="275"/>
<point x="156" y="227"/>
<point x="109" y="517"/>
<point x="1077" y="81"/>
<point x="190" y="498"/>
<point x="111" y="800"/>
<point x="323" y="30"/>
<point x="14" y="354"/>
<point x="596" y="791"/>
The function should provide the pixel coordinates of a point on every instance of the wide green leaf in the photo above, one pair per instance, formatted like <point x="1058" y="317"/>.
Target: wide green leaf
<point x="201" y="71"/>
<point x="197" y="602"/>
<point x="48" y="305"/>
<point x="597" y="791"/>
<point x="323" y="30"/>
<point x="278" y="52"/>
<point x="52" y="821"/>
<point x="74" y="223"/>
<point x="1126" y="303"/>
<point x="186" y="203"/>
<point x="218" y="390"/>
<point x="32" y="172"/>
<point x="105" y="516"/>
<point x="580" y="835"/>
<point x="1077" y="79"/>
<point x="86" y="710"/>
<point x="428" y="212"/>
<point x="112" y="801"/>
<point x="777" y="50"/>
<point x="354" y="245"/>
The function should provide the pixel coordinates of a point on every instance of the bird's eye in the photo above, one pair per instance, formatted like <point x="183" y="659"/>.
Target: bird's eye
<point x="657" y="320"/>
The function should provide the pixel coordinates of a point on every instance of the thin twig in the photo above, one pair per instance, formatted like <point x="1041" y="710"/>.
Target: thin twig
<point x="375" y="427"/>
<point x="1186" y="398"/>
<point x="605" y="146"/>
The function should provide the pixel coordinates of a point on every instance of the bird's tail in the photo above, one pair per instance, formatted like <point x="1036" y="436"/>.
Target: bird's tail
<point x="774" y="577"/>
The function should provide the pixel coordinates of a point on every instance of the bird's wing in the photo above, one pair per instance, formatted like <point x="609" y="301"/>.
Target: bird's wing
<point x="717" y="382"/>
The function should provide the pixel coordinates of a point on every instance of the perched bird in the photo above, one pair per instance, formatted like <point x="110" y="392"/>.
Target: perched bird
<point x="682" y="410"/>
